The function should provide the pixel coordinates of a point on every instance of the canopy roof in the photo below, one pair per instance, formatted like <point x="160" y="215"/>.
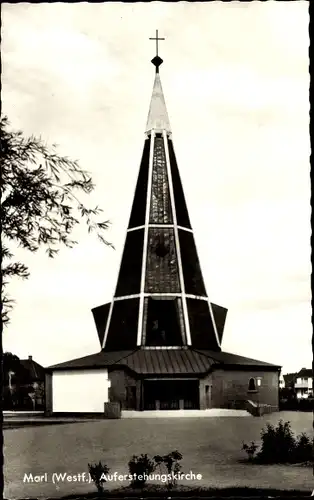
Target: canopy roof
<point x="165" y="361"/>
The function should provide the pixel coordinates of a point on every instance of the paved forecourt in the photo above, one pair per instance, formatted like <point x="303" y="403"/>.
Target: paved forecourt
<point x="210" y="447"/>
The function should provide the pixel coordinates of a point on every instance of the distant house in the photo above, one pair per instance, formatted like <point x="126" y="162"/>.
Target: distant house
<point x="36" y="372"/>
<point x="289" y="380"/>
<point x="303" y="384"/>
<point x="25" y="386"/>
<point x="281" y="381"/>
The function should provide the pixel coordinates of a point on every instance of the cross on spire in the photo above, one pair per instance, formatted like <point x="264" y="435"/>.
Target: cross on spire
<point x="157" y="61"/>
<point x="157" y="40"/>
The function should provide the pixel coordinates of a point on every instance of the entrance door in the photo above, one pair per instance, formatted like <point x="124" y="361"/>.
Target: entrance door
<point x="167" y="394"/>
<point x="189" y="393"/>
<point x="169" y="399"/>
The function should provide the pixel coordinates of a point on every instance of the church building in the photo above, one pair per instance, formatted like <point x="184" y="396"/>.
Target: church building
<point x="160" y="336"/>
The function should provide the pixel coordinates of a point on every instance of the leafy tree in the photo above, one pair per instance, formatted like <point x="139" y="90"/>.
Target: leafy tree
<point x="10" y="363"/>
<point x="40" y="206"/>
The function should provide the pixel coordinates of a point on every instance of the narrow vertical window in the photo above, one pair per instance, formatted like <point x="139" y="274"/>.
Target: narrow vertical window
<point x="160" y="208"/>
<point x="252" y="384"/>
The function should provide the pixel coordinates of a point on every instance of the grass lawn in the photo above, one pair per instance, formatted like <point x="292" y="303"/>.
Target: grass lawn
<point x="210" y="446"/>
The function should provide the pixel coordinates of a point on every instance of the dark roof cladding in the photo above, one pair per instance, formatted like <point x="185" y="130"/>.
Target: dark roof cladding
<point x="305" y="372"/>
<point x="226" y="358"/>
<point x="163" y="361"/>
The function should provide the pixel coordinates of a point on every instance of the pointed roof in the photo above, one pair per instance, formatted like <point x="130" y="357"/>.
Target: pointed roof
<point x="158" y="119"/>
<point x="305" y="372"/>
<point x="34" y="370"/>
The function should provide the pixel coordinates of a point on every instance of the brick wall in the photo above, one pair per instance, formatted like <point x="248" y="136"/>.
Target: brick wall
<point x="120" y="380"/>
<point x="232" y="385"/>
<point x="224" y="387"/>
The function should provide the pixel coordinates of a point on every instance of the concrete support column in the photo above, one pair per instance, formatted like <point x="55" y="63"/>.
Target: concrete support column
<point x="202" y="395"/>
<point x="139" y="395"/>
<point x="157" y="404"/>
<point x="48" y="394"/>
<point x="181" y="404"/>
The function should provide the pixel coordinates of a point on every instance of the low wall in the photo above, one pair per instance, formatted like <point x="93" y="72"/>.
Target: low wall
<point x="257" y="410"/>
<point x="11" y="415"/>
<point x="112" y="410"/>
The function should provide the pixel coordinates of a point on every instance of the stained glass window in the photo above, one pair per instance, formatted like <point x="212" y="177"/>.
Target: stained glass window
<point x="162" y="275"/>
<point x="163" y="321"/>
<point x="160" y="206"/>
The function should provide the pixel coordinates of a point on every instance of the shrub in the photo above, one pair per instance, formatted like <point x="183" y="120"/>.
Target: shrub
<point x="170" y="462"/>
<point x="250" y="449"/>
<point x="280" y="446"/>
<point x="278" y="443"/>
<point x="140" y="466"/>
<point x="98" y="474"/>
<point x="303" y="448"/>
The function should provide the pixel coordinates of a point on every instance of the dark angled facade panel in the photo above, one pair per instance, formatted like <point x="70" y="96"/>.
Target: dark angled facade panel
<point x="192" y="273"/>
<point x="201" y="326"/>
<point x="122" y="333"/>
<point x="100" y="317"/>
<point x="220" y="314"/>
<point x="160" y="205"/>
<point x="162" y="272"/>
<point x="137" y="217"/>
<point x="181" y="208"/>
<point x="129" y="280"/>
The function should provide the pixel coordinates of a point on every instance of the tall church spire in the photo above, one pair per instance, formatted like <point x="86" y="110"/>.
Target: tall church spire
<point x="160" y="299"/>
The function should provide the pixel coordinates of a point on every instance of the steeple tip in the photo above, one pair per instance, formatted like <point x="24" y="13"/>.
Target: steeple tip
<point x="157" y="61"/>
<point x="157" y="117"/>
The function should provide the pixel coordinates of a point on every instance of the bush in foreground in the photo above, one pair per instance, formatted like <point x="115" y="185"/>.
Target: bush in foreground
<point x="139" y="467"/>
<point x="98" y="474"/>
<point x="171" y="465"/>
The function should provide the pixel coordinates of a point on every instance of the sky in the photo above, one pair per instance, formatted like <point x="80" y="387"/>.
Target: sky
<point x="235" y="78"/>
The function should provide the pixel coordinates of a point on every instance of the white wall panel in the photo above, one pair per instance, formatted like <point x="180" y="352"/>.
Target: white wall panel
<point x="83" y="391"/>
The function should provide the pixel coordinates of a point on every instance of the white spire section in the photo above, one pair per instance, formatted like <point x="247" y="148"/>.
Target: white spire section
<point x="158" y="119"/>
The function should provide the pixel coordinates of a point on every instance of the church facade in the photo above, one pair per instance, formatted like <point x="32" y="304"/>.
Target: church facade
<point x="160" y="336"/>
